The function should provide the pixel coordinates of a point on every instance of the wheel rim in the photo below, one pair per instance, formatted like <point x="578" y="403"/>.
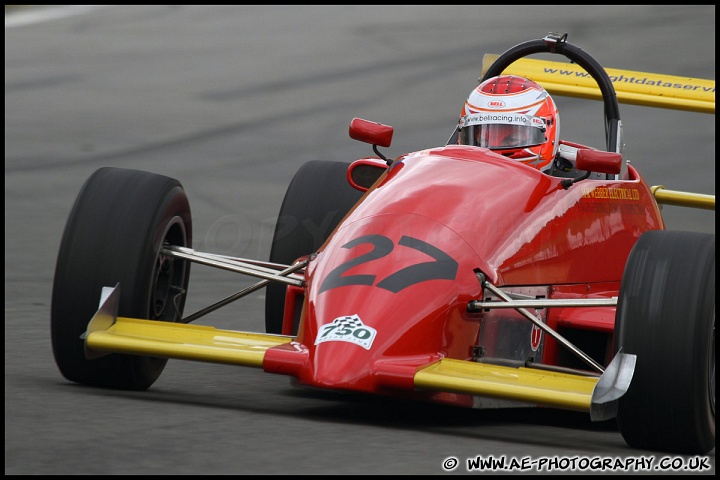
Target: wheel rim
<point x="168" y="288"/>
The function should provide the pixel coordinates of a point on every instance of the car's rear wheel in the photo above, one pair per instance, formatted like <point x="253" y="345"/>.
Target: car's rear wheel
<point x="318" y="197"/>
<point x="114" y="234"/>
<point x="666" y="316"/>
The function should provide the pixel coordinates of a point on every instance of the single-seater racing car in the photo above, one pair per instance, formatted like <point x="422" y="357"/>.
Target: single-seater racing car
<point x="453" y="275"/>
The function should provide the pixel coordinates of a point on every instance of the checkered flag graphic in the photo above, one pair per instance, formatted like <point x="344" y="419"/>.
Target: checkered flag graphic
<point x="348" y="321"/>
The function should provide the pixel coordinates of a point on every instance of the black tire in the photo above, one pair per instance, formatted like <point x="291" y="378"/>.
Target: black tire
<point x="114" y="233"/>
<point x="318" y="197"/>
<point x="666" y="316"/>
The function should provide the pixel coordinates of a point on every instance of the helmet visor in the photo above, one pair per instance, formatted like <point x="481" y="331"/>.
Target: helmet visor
<point x="501" y="131"/>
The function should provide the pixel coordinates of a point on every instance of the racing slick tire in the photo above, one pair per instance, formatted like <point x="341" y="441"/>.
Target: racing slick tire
<point x="317" y="199"/>
<point x="666" y="316"/>
<point x="114" y="234"/>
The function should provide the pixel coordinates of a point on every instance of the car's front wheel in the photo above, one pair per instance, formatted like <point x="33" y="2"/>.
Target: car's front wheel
<point x="114" y="234"/>
<point x="666" y="316"/>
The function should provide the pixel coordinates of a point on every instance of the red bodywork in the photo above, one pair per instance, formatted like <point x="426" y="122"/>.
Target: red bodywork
<point x="402" y="266"/>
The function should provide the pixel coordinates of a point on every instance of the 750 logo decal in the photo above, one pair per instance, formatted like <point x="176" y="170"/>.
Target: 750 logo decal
<point x="442" y="268"/>
<point x="347" y="329"/>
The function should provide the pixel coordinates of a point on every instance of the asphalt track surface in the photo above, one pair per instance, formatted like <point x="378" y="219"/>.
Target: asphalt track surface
<point x="231" y="101"/>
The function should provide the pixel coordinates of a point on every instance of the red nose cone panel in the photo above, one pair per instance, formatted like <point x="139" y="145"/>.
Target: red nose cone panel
<point x="383" y="293"/>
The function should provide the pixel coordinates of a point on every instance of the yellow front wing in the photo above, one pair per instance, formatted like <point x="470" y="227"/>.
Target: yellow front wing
<point x="187" y="342"/>
<point x="107" y="333"/>
<point x="566" y="391"/>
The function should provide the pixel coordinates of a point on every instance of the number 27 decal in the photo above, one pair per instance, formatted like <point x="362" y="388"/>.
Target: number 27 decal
<point x="442" y="268"/>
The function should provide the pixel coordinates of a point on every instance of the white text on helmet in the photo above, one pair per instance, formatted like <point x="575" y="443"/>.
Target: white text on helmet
<point x="508" y="119"/>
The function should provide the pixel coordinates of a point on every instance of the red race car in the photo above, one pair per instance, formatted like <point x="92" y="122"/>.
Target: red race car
<point x="464" y="274"/>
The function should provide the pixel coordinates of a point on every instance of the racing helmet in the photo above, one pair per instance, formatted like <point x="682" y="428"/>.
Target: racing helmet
<point x="513" y="116"/>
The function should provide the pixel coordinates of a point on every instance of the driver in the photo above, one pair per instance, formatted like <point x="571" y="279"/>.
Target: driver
<point x="512" y="116"/>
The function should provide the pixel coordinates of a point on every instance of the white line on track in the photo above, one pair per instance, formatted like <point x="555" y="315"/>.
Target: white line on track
<point x="30" y="16"/>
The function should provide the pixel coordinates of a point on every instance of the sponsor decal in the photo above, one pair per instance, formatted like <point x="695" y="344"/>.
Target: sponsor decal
<point x="519" y="119"/>
<point x="613" y="199"/>
<point x="611" y="193"/>
<point x="348" y="328"/>
<point x="537" y="122"/>
<point x="535" y="337"/>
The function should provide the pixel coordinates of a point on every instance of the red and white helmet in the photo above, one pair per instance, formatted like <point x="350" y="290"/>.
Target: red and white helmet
<point x="513" y="116"/>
